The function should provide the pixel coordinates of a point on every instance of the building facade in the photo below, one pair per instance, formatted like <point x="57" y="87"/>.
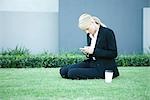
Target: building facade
<point x="32" y="24"/>
<point x="52" y="25"/>
<point x="124" y="17"/>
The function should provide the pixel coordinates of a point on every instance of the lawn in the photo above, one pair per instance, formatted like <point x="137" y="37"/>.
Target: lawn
<point x="46" y="83"/>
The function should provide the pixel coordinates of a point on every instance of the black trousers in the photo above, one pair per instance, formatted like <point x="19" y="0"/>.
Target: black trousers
<point x="81" y="70"/>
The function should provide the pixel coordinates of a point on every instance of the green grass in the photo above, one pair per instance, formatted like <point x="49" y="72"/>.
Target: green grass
<point x="42" y="83"/>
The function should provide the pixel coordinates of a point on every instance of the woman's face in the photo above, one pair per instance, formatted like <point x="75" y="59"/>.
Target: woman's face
<point x="91" y="29"/>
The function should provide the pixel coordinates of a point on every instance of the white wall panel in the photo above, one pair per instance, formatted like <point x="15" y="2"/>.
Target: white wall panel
<point x="146" y="30"/>
<point x="29" y="23"/>
<point x="29" y="5"/>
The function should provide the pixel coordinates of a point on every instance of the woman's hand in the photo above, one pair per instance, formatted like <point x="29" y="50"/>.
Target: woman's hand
<point x="87" y="50"/>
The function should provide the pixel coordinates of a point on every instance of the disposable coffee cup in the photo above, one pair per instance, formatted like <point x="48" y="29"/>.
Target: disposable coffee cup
<point x="108" y="76"/>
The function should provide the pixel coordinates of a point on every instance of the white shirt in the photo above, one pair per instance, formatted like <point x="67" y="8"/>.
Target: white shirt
<point x="93" y="39"/>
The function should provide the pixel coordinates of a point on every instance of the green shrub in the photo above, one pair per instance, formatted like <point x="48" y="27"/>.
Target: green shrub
<point x="32" y="61"/>
<point x="49" y="60"/>
<point x="20" y="61"/>
<point x="61" y="60"/>
<point x="16" y="51"/>
<point x="133" y="60"/>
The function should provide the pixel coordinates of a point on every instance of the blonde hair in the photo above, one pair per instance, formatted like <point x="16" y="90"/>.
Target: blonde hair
<point x="85" y="20"/>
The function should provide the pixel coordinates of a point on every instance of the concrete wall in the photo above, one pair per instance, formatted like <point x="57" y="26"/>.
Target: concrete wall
<point x="29" y="5"/>
<point x="146" y="30"/>
<point x="34" y="23"/>
<point x="123" y="16"/>
<point x="29" y="23"/>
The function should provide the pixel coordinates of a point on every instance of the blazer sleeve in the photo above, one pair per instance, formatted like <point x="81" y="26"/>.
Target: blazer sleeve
<point x="111" y="51"/>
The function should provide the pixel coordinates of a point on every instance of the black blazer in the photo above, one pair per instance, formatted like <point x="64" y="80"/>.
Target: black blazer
<point x="105" y="51"/>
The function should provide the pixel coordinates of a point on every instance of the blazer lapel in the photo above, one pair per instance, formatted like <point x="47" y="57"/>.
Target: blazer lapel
<point x="99" y="38"/>
<point x="88" y="40"/>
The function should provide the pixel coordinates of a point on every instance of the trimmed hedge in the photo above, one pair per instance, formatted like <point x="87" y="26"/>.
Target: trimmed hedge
<point x="133" y="60"/>
<point x="49" y="60"/>
<point x="36" y="61"/>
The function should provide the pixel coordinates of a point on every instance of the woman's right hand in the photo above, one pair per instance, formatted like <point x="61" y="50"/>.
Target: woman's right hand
<point x="83" y="50"/>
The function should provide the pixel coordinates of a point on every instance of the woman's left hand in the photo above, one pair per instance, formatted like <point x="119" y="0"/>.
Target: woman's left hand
<point x="88" y="49"/>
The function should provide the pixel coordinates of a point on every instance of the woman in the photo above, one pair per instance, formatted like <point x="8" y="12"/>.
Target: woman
<point x="101" y="51"/>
